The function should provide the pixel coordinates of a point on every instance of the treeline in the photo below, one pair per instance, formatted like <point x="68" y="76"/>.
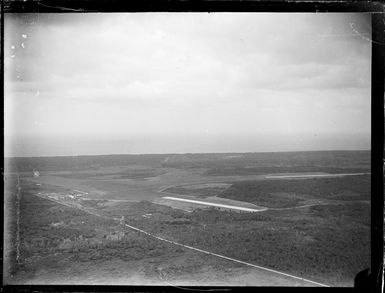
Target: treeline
<point x="21" y="164"/>
<point x="348" y="159"/>
<point x="123" y="174"/>
<point x="233" y="171"/>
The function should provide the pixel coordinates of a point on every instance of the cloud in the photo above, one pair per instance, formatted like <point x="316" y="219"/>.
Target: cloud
<point x="165" y="72"/>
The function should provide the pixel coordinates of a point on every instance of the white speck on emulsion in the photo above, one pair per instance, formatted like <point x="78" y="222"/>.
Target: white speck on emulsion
<point x="22" y="45"/>
<point x="24" y="36"/>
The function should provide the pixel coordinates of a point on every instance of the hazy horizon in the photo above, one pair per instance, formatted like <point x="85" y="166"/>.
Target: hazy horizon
<point x="49" y="147"/>
<point x="183" y="153"/>
<point x="79" y="84"/>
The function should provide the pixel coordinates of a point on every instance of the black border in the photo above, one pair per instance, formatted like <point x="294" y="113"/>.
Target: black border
<point x="377" y="145"/>
<point x="377" y="10"/>
<point x="42" y="6"/>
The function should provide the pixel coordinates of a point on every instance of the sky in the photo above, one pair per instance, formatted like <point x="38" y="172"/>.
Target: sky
<point x="79" y="84"/>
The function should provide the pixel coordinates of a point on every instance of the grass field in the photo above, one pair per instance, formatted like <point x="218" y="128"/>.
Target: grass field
<point x="199" y="190"/>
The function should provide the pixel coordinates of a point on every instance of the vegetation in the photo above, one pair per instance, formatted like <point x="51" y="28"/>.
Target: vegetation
<point x="223" y="171"/>
<point x="20" y="164"/>
<point x="336" y="159"/>
<point x="199" y="192"/>
<point x="329" y="244"/>
<point x="284" y="193"/>
<point x="359" y="160"/>
<point x="93" y="203"/>
<point x="52" y="234"/>
<point x="124" y="174"/>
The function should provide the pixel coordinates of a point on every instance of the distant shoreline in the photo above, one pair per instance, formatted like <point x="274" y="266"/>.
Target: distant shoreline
<point x="187" y="153"/>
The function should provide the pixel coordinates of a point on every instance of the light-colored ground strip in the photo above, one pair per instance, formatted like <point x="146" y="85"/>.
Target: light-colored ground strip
<point x="211" y="199"/>
<point x="184" y="206"/>
<point x="296" y="207"/>
<point x="314" y="175"/>
<point x="215" y="204"/>
<point x="81" y="191"/>
<point x="195" y="249"/>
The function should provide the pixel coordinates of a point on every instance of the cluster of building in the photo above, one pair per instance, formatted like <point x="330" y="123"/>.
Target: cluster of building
<point x="61" y="196"/>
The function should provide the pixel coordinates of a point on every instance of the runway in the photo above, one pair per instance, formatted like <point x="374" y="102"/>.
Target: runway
<point x="215" y="204"/>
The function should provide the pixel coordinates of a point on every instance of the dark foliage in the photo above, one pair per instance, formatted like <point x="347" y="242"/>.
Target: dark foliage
<point x="20" y="164"/>
<point x="281" y="169"/>
<point x="124" y="174"/>
<point x="327" y="243"/>
<point x="269" y="192"/>
<point x="336" y="159"/>
<point x="199" y="192"/>
<point x="359" y="160"/>
<point x="51" y="234"/>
